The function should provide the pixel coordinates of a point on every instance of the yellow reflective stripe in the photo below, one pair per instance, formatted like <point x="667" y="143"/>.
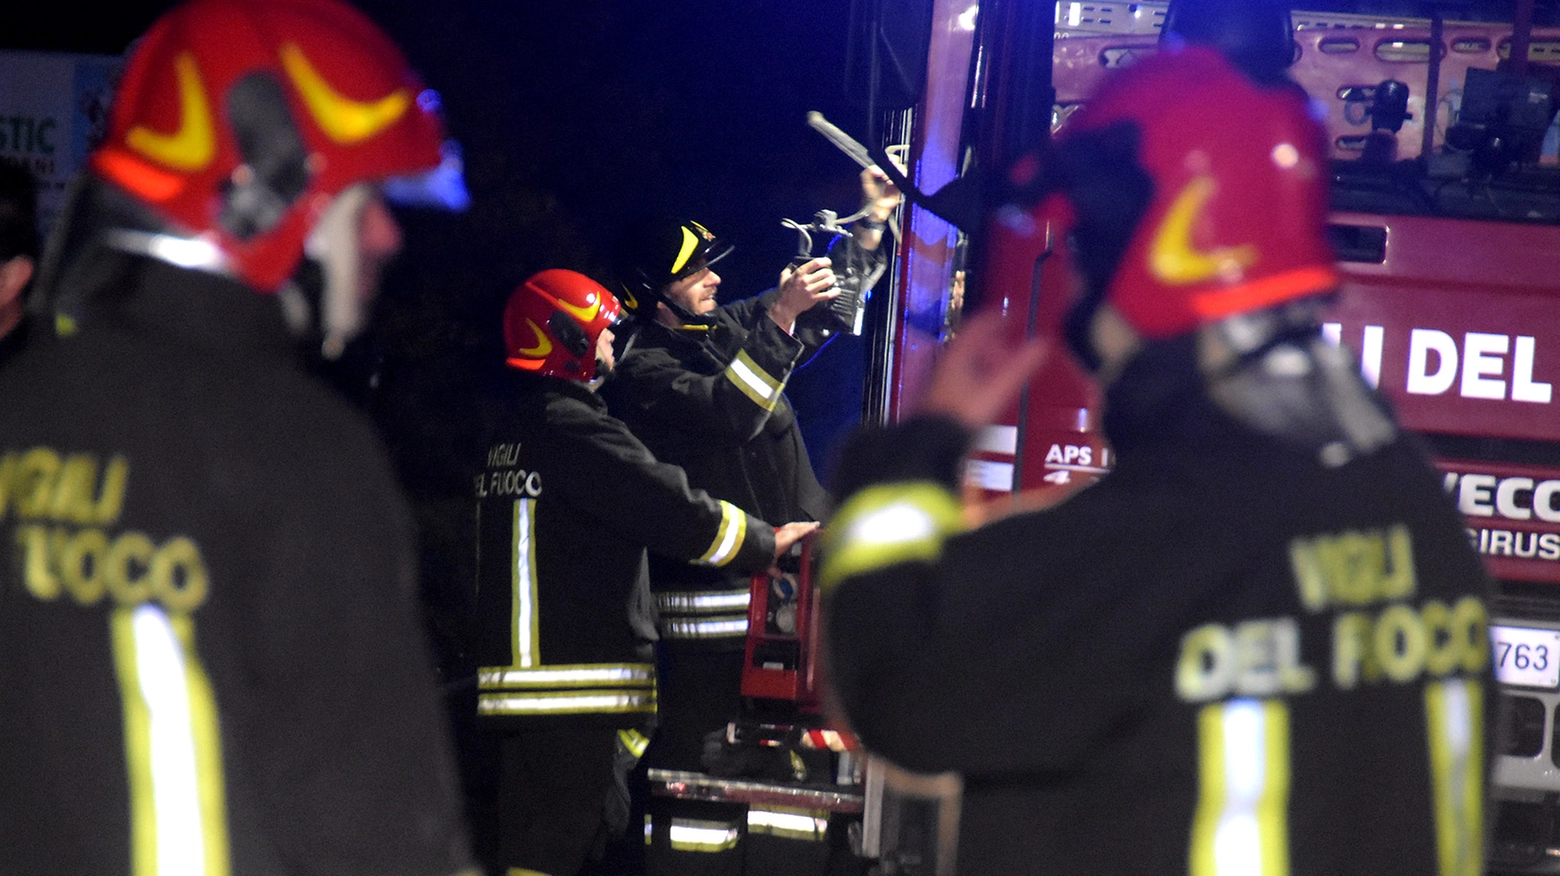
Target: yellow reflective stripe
<point x="173" y="750"/>
<point x="1454" y="711"/>
<point x="634" y="741"/>
<point x="568" y="675"/>
<point x="888" y="524"/>
<point x="524" y="624"/>
<point x="208" y="754"/>
<point x="703" y="601"/>
<point x="1241" y="827"/>
<point x="789" y="823"/>
<point x="344" y="120"/>
<point x="754" y="381"/>
<point x="1175" y="259"/>
<point x="193" y="145"/>
<point x="690" y="243"/>
<point x="521" y="871"/>
<point x="710" y="628"/>
<point x="561" y="703"/>
<point x="138" y="746"/>
<point x="696" y="835"/>
<point x="540" y="350"/>
<point x="728" y="538"/>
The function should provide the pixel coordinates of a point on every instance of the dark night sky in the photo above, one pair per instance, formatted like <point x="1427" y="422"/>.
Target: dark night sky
<point x="578" y="115"/>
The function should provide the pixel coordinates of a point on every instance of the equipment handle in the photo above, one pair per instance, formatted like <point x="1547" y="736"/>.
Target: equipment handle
<point x="842" y="141"/>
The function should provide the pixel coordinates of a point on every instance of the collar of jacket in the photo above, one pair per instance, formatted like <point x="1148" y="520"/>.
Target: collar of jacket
<point x="526" y="381"/>
<point x="718" y="340"/>
<point x="1159" y="400"/>
<point x="197" y="310"/>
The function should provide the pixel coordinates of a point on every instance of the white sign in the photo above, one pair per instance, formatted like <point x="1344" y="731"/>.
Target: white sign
<point x="53" y="109"/>
<point x="1526" y="657"/>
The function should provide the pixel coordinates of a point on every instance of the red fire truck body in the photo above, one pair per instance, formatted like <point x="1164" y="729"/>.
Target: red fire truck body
<point x="1451" y="299"/>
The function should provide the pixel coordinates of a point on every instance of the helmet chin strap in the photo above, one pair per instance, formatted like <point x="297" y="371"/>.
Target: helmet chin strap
<point x="683" y="314"/>
<point x="334" y="243"/>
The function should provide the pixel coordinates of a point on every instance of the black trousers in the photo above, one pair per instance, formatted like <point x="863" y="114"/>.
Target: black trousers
<point x="698" y="689"/>
<point x="552" y="798"/>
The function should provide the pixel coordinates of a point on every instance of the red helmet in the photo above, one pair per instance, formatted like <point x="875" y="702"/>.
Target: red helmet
<point x="552" y="323"/>
<point x="1234" y="218"/>
<point x="239" y="121"/>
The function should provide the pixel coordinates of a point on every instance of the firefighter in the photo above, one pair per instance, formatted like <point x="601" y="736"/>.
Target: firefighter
<point x="18" y="252"/>
<point x="210" y="658"/>
<point x="567" y="501"/>
<point x="1257" y="645"/>
<point x="703" y="386"/>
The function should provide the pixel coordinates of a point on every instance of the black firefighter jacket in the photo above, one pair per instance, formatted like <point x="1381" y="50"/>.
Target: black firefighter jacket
<point x="568" y="500"/>
<point x="1223" y="658"/>
<point x="711" y="400"/>
<point x="209" y="644"/>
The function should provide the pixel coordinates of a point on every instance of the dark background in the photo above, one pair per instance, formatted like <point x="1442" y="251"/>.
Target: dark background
<point x="577" y="116"/>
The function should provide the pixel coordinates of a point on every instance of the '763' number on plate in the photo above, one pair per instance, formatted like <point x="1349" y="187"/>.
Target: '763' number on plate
<point x="1526" y="657"/>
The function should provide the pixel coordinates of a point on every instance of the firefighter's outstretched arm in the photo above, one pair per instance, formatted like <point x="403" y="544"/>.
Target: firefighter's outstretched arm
<point x="733" y="404"/>
<point x="653" y="503"/>
<point x="788" y="535"/>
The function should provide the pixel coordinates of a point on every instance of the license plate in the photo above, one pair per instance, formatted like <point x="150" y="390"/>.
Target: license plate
<point x="1526" y="657"/>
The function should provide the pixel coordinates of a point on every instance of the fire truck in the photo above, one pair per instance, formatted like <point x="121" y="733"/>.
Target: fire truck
<point x="1446" y="223"/>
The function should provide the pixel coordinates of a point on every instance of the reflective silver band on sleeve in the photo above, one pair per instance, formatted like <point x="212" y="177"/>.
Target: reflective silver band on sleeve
<point x="754" y="381"/>
<point x="728" y="538"/>
<point x="887" y="524"/>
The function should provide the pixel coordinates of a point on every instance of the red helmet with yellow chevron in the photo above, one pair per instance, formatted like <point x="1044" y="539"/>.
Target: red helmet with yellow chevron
<point x="553" y="321"/>
<point x="238" y="122"/>
<point x="1230" y="216"/>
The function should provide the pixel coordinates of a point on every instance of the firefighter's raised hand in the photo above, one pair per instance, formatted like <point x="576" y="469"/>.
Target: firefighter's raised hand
<point x="801" y="288"/>
<point x="879" y="198"/>
<point x="788" y="535"/>
<point x="981" y="371"/>
<point x="879" y="195"/>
